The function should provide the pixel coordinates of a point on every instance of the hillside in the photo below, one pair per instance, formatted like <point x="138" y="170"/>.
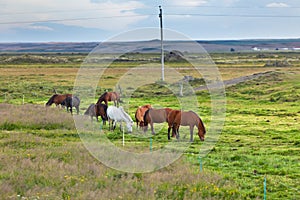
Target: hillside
<point x="210" y="46"/>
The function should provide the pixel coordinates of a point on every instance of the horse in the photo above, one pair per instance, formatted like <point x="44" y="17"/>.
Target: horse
<point x="57" y="99"/>
<point x="190" y="118"/>
<point x="96" y="110"/>
<point x="71" y="102"/>
<point x="109" y="96"/>
<point x="155" y="116"/>
<point x="139" y="114"/>
<point x="116" y="114"/>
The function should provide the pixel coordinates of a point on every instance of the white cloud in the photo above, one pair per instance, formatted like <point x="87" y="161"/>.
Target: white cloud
<point x="277" y="5"/>
<point x="43" y="28"/>
<point x="107" y="15"/>
<point x="192" y="3"/>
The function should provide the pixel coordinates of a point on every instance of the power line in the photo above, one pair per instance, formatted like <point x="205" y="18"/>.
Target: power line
<point x="62" y="11"/>
<point x="234" y="15"/>
<point x="147" y="15"/>
<point x="238" y="7"/>
<point x="71" y="19"/>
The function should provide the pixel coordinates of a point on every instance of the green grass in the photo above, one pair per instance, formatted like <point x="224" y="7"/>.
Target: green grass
<point x="42" y="155"/>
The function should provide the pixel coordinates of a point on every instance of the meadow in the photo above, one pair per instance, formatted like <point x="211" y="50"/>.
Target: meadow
<point x="43" y="157"/>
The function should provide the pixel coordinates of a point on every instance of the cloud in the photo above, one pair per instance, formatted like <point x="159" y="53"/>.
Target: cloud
<point x="277" y="5"/>
<point x="107" y="15"/>
<point x="42" y="28"/>
<point x="192" y="3"/>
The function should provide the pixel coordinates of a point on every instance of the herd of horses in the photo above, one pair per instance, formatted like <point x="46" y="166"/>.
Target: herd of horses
<point x="144" y="115"/>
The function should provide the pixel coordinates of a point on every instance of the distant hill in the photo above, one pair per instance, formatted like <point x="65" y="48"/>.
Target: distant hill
<point x="153" y="46"/>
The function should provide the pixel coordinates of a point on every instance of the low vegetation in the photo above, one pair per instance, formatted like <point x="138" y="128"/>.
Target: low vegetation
<point x="42" y="156"/>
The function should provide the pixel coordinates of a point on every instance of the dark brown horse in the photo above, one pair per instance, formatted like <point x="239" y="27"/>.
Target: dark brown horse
<point x="57" y="99"/>
<point x="155" y="116"/>
<point x="96" y="110"/>
<point x="190" y="118"/>
<point x="139" y="114"/>
<point x="109" y="96"/>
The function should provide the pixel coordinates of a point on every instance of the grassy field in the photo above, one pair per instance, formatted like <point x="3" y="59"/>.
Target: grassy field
<point x="43" y="157"/>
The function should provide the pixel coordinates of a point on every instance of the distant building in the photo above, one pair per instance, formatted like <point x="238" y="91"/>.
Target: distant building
<point x="255" y="49"/>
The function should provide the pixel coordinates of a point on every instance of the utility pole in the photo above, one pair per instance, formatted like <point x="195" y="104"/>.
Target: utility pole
<point x="161" y="45"/>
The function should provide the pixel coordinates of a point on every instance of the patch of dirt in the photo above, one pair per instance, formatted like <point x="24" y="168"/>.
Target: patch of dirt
<point x="235" y="80"/>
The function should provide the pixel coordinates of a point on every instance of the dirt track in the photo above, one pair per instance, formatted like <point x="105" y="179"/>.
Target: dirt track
<point x="235" y="81"/>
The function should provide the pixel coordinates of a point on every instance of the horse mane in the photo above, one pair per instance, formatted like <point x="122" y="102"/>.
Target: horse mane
<point x="125" y="114"/>
<point x="101" y="98"/>
<point x="50" y="101"/>
<point x="200" y="123"/>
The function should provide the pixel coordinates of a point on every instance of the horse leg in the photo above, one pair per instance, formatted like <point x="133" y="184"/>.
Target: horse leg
<point x="109" y="124"/>
<point x="152" y="129"/>
<point x="114" y="124"/>
<point x="145" y="128"/>
<point x="191" y="133"/>
<point x="121" y="127"/>
<point x="176" y="130"/>
<point x="169" y="129"/>
<point x="77" y="109"/>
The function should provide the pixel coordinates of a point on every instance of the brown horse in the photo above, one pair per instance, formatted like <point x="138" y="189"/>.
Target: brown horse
<point x="139" y="114"/>
<point x="96" y="110"/>
<point x="190" y="118"/>
<point x="109" y="96"/>
<point x="57" y="99"/>
<point x="155" y="116"/>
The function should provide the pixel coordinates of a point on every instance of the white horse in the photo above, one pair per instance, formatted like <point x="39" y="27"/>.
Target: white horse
<point x="119" y="115"/>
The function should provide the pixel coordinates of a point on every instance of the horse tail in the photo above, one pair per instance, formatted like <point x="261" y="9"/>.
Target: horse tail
<point x="50" y="101"/>
<point x="146" y="115"/>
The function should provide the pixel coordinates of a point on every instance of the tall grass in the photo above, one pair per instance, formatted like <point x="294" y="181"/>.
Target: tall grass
<point x="30" y="116"/>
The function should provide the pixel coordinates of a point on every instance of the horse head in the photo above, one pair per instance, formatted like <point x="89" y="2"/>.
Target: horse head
<point x="129" y="125"/>
<point x="51" y="100"/>
<point x="201" y="130"/>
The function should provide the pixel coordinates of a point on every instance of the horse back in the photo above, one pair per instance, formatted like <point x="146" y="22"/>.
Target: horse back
<point x="189" y="118"/>
<point x="174" y="117"/>
<point x="158" y="115"/>
<point x="90" y="110"/>
<point x="101" y="110"/>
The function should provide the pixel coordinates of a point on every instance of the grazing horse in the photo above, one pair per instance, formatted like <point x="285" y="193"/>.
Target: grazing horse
<point x="139" y="114"/>
<point x="96" y="110"/>
<point x="57" y="99"/>
<point x="190" y="118"/>
<point x="115" y="115"/>
<point x="155" y="116"/>
<point x="109" y="96"/>
<point x="71" y="102"/>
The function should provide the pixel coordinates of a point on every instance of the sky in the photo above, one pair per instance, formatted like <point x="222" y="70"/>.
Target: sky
<point x="99" y="20"/>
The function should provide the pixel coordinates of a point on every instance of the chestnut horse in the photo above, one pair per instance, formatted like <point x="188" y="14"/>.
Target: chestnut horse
<point x="155" y="116"/>
<point x="190" y="118"/>
<point x="96" y="110"/>
<point x="109" y="96"/>
<point x="57" y="99"/>
<point x="139" y="114"/>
